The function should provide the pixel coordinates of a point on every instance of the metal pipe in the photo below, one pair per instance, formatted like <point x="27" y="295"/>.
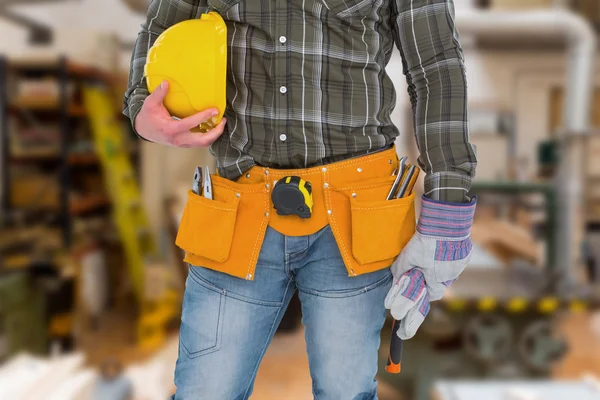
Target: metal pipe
<point x="581" y="43"/>
<point x="581" y="49"/>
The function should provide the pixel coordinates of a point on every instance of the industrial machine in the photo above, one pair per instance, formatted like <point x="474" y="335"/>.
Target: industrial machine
<point x="498" y="320"/>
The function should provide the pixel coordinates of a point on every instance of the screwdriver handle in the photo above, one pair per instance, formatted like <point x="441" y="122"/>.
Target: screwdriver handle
<point x="394" y="362"/>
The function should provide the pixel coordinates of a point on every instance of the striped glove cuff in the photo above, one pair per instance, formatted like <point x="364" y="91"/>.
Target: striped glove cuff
<point x="447" y="220"/>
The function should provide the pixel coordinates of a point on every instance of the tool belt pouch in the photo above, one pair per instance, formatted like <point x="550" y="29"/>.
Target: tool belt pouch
<point x="226" y="233"/>
<point x="370" y="232"/>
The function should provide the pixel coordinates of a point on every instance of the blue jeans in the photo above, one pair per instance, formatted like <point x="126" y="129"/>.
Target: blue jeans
<point x="228" y="323"/>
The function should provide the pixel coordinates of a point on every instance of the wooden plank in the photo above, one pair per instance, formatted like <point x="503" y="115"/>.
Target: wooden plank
<point x="506" y="240"/>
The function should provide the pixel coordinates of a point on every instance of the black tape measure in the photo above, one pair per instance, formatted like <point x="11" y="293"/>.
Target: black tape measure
<point x="292" y="196"/>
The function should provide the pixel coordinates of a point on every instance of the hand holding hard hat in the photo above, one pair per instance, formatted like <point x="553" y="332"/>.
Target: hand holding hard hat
<point x="154" y="123"/>
<point x="185" y="72"/>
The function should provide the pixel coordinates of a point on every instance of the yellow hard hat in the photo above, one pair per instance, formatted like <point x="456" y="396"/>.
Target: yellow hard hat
<point x="192" y="56"/>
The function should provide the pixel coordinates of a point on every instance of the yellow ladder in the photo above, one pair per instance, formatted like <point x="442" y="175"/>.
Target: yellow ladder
<point x="128" y="213"/>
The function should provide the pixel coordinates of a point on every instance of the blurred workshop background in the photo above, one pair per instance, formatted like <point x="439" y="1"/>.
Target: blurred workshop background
<point x="91" y="281"/>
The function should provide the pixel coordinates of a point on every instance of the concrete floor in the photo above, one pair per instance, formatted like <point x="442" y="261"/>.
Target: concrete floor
<point x="581" y="331"/>
<point x="284" y="373"/>
<point x="583" y="336"/>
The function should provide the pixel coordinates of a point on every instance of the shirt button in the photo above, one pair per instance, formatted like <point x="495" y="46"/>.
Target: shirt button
<point x="283" y="89"/>
<point x="282" y="39"/>
<point x="283" y="137"/>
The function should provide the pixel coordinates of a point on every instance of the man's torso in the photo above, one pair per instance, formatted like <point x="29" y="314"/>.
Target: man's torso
<point x="306" y="83"/>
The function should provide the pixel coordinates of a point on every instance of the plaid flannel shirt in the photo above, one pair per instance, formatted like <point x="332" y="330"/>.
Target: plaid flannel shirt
<point x="306" y="83"/>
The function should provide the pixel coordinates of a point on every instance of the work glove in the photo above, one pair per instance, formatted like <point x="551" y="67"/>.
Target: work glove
<point x="434" y="257"/>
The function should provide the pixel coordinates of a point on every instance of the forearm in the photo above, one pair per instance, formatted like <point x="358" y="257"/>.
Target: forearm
<point x="435" y="72"/>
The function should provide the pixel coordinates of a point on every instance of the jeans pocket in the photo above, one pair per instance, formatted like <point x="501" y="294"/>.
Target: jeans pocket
<point x="201" y="318"/>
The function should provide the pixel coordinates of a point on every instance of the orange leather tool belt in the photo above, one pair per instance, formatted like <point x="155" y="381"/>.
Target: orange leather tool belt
<point x="226" y="233"/>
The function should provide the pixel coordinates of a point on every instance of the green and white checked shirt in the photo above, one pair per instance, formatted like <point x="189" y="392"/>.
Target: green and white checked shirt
<point x="306" y="83"/>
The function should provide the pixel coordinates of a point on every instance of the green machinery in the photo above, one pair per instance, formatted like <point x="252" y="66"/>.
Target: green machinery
<point x="22" y="326"/>
<point x="499" y="321"/>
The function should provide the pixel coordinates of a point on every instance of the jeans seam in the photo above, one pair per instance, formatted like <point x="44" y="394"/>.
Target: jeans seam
<point x="287" y="269"/>
<point x="268" y="339"/>
<point x="348" y="294"/>
<point x="210" y="286"/>
<point x="205" y="283"/>
<point x="248" y="300"/>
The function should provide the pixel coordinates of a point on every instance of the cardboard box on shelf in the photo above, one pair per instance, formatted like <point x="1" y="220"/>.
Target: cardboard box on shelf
<point x="34" y="191"/>
<point x="40" y="91"/>
<point x="507" y="240"/>
<point x="38" y="141"/>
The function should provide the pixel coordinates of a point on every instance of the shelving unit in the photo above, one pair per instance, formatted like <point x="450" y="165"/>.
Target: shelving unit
<point x="67" y="159"/>
<point x="54" y="200"/>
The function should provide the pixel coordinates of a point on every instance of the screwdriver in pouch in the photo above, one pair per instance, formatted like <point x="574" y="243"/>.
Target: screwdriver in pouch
<point x="400" y="172"/>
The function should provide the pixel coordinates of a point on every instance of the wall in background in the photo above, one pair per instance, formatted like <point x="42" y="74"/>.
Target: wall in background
<point x="509" y="80"/>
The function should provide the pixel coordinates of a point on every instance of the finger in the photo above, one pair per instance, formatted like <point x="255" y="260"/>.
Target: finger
<point x="398" y="287"/>
<point x="193" y="139"/>
<point x="158" y="95"/>
<point x="411" y="290"/>
<point x="400" y="308"/>
<point x="195" y="120"/>
<point x="414" y="318"/>
<point x="391" y="296"/>
<point x="413" y="285"/>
